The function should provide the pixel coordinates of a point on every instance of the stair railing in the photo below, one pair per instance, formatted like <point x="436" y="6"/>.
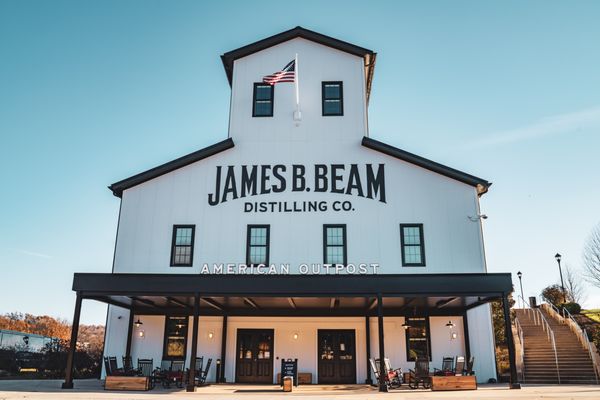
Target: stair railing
<point x="550" y="334"/>
<point x="583" y="337"/>
<point x="530" y="311"/>
<point x="522" y="352"/>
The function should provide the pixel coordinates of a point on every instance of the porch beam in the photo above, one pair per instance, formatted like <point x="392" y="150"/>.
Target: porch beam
<point x="292" y="302"/>
<point x="481" y="301"/>
<point x="368" y="381"/>
<point x="372" y="304"/>
<point x="214" y="304"/>
<point x="68" y="383"/>
<point x="334" y="302"/>
<point x="191" y="386"/>
<point x="514" y="384"/>
<point x="465" y="320"/>
<point x="251" y="302"/>
<point x="178" y="302"/>
<point x="144" y="301"/>
<point x="444" y="303"/>
<point x="108" y="300"/>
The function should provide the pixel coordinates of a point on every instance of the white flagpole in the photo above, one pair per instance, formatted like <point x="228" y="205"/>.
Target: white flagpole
<point x="297" y="115"/>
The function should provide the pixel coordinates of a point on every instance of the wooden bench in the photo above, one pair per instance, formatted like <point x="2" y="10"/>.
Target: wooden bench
<point x="304" y="378"/>
<point x="127" y="383"/>
<point x="453" y="382"/>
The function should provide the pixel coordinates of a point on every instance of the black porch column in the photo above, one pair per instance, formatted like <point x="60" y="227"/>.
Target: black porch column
<point x="466" y="335"/>
<point x="382" y="385"/>
<point x="514" y="384"/>
<point x="369" y="381"/>
<point x="129" y="333"/>
<point x="223" y="350"/>
<point x="68" y="383"/>
<point x="191" y="386"/>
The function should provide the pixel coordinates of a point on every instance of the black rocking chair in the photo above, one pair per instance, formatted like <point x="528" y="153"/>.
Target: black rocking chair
<point x="146" y="368"/>
<point x="204" y="374"/>
<point x="447" y="367"/>
<point x="420" y="375"/>
<point x="392" y="377"/>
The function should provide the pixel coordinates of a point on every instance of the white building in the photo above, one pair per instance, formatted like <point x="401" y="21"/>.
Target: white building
<point x="300" y="236"/>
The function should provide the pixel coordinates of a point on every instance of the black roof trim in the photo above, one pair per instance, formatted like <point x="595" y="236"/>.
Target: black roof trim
<point x="481" y="184"/>
<point x="369" y="56"/>
<point x="118" y="187"/>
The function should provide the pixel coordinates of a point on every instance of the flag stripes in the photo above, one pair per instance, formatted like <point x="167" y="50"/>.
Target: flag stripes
<point x="287" y="74"/>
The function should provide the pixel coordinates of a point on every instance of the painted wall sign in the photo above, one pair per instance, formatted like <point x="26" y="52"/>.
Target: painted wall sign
<point x="232" y="183"/>
<point x="284" y="269"/>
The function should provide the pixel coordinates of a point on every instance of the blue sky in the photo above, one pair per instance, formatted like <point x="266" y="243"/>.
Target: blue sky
<point x="93" y="92"/>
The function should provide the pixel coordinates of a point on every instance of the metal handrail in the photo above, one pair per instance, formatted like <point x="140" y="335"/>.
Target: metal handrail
<point x="529" y="310"/>
<point x="586" y="340"/>
<point x="550" y="334"/>
<point x="522" y="341"/>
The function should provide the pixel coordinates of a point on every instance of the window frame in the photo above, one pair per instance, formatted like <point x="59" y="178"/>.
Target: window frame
<point x="341" y="113"/>
<point x="173" y="245"/>
<point x="421" y="245"/>
<point x="248" y="241"/>
<point x="325" y="245"/>
<point x="165" y="356"/>
<point x="257" y="84"/>
<point x="428" y="336"/>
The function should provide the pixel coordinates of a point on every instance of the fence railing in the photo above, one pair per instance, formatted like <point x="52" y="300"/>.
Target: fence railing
<point x="565" y="317"/>
<point x="522" y="347"/>
<point x="550" y="335"/>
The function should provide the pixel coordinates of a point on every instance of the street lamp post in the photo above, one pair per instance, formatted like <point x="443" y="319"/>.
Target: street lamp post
<point x="562" y="284"/>
<point x="520" y="274"/>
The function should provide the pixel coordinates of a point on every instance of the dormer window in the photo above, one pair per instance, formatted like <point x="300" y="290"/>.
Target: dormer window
<point x="333" y="98"/>
<point x="262" y="103"/>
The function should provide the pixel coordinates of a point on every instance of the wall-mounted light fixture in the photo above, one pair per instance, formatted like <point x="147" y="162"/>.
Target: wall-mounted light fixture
<point x="450" y="324"/>
<point x="210" y="335"/>
<point x="141" y="334"/>
<point x="295" y="336"/>
<point x="405" y="325"/>
<point x="453" y="336"/>
<point x="138" y="323"/>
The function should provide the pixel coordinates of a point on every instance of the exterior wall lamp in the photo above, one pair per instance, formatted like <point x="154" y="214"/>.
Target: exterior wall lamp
<point x="138" y="323"/>
<point x="296" y="336"/>
<point x="210" y="335"/>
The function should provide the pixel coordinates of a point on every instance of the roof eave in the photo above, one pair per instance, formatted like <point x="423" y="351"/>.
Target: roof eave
<point x="481" y="185"/>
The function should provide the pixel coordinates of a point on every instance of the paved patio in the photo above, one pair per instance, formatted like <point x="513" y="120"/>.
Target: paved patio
<point x="92" y="389"/>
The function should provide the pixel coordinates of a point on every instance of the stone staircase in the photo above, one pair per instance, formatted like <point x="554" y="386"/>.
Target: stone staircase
<point x="574" y="363"/>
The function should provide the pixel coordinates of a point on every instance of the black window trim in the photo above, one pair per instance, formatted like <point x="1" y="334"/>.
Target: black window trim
<point x="268" y="245"/>
<point x="185" y="337"/>
<point x="173" y="241"/>
<point x="421" y="245"/>
<point x="407" y="331"/>
<point x="341" y="113"/>
<point x="256" y="84"/>
<point x="343" y="226"/>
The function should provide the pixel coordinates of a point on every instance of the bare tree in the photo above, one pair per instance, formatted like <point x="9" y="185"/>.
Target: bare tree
<point x="591" y="257"/>
<point x="575" y="289"/>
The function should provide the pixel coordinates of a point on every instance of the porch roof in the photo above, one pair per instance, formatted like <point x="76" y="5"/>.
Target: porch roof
<point x="294" y="295"/>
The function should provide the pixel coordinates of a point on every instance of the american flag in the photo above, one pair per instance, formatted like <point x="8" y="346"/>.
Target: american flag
<point x="287" y="74"/>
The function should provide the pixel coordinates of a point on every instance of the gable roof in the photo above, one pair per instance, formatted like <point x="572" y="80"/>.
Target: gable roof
<point x="118" y="187"/>
<point x="368" y="55"/>
<point x="481" y="184"/>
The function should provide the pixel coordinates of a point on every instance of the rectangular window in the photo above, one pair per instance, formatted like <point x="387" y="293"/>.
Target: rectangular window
<point x="333" y="98"/>
<point x="262" y="103"/>
<point x="334" y="244"/>
<point x="175" y="344"/>
<point x="412" y="244"/>
<point x="182" y="247"/>
<point x="257" y="248"/>
<point x="417" y="339"/>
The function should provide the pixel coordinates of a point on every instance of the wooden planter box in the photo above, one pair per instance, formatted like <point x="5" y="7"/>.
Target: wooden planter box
<point x="127" y="383"/>
<point x="304" y="378"/>
<point x="453" y="382"/>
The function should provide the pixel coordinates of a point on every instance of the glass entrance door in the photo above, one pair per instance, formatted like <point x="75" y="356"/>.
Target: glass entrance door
<point x="337" y="356"/>
<point x="254" y="356"/>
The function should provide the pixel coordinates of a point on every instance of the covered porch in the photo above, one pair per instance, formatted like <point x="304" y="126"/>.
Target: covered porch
<point x="365" y="296"/>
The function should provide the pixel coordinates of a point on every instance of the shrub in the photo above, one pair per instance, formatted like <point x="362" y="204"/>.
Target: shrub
<point x="573" y="308"/>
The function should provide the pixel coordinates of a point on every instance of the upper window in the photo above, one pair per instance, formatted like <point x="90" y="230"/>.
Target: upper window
<point x="334" y="244"/>
<point x="417" y="339"/>
<point x="182" y="248"/>
<point x="333" y="98"/>
<point x="413" y="248"/>
<point x="262" y="103"/>
<point x="176" y="329"/>
<point x="257" y="247"/>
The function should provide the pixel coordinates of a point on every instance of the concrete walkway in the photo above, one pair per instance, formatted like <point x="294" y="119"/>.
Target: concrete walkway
<point x="92" y="390"/>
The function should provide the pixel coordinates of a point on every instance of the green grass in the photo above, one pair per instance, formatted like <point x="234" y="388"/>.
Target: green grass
<point x="592" y="314"/>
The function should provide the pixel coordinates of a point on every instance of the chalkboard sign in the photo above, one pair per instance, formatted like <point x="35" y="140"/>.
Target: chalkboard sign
<point x="289" y="367"/>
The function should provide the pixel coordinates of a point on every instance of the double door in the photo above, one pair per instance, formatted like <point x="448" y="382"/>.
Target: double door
<point x="254" y="356"/>
<point x="337" y="356"/>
